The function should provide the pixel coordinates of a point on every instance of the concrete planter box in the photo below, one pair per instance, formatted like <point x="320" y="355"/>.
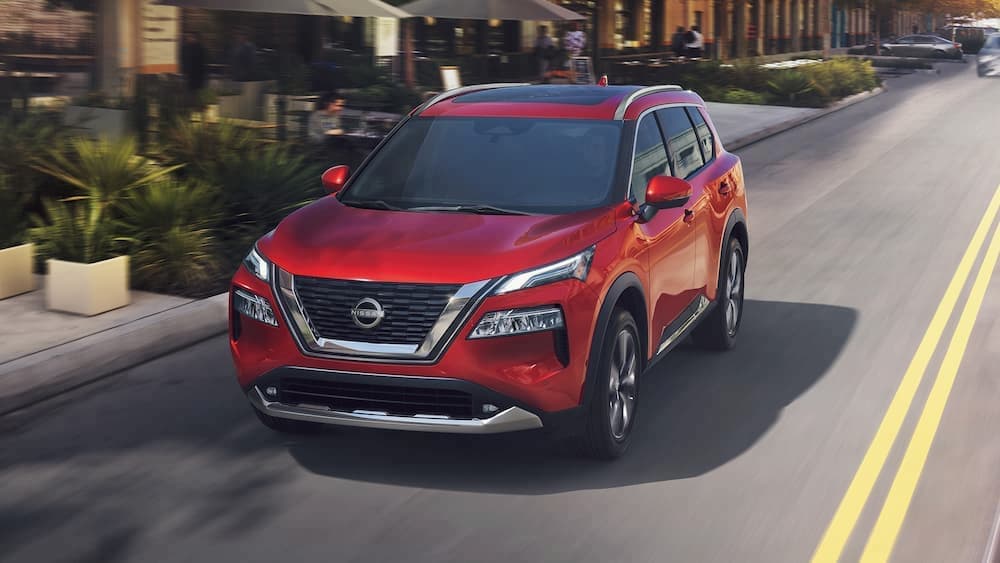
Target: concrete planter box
<point x="87" y="289"/>
<point x="112" y="124"/>
<point x="16" y="275"/>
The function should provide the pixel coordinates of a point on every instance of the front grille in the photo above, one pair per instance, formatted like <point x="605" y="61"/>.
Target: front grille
<point x="410" y="309"/>
<point x="395" y="400"/>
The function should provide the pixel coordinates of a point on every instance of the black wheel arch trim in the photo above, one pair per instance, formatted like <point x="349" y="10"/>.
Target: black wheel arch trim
<point x="624" y="282"/>
<point x="736" y="218"/>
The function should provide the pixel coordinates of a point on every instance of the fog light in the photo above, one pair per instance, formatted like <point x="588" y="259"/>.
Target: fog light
<point x="490" y="409"/>
<point x="255" y="307"/>
<point x="271" y="391"/>
<point x="518" y="321"/>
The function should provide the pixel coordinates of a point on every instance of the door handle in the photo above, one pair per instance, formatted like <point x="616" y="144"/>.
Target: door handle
<point x="725" y="188"/>
<point x="688" y="216"/>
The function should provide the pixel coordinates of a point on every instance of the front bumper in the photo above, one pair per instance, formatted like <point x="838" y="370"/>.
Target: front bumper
<point x="388" y="402"/>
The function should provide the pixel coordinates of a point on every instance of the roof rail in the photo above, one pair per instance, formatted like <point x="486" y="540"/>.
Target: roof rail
<point x="464" y="90"/>
<point x="623" y="106"/>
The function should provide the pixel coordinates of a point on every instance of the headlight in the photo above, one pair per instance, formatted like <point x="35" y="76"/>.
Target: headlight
<point x="577" y="267"/>
<point x="518" y="321"/>
<point x="254" y="306"/>
<point x="258" y="265"/>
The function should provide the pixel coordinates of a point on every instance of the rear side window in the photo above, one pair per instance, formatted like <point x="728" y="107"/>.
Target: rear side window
<point x="995" y="42"/>
<point x="650" y="157"/>
<point x="704" y="134"/>
<point x="682" y="142"/>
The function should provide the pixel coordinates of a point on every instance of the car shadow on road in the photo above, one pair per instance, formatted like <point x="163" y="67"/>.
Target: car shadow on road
<point x="699" y="411"/>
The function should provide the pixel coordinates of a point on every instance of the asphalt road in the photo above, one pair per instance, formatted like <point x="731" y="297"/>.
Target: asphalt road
<point x="859" y="222"/>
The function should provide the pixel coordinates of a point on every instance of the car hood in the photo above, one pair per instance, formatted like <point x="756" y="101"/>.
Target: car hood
<point x="331" y="240"/>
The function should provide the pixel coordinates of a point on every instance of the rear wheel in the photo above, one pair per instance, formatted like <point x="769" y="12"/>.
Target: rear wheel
<point x="613" y="407"/>
<point x="285" y="425"/>
<point x="718" y="330"/>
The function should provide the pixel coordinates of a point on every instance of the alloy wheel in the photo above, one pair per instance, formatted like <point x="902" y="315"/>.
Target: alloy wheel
<point x="734" y="291"/>
<point x="622" y="384"/>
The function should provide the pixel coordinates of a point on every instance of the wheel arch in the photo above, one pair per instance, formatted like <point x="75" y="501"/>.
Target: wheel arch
<point x="626" y="292"/>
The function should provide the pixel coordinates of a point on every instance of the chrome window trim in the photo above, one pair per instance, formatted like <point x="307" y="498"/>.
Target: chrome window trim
<point x="635" y="141"/>
<point x="624" y="104"/>
<point x="455" y="315"/>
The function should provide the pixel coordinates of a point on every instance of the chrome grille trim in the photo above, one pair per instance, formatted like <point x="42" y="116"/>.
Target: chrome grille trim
<point x="456" y="313"/>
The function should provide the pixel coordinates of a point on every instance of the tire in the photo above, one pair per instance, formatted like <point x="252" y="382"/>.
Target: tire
<point x="285" y="425"/>
<point x="719" y="329"/>
<point x="612" y="411"/>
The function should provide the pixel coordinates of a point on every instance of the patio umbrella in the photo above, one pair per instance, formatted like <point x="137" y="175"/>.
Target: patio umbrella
<point x="519" y="10"/>
<point x="354" y="8"/>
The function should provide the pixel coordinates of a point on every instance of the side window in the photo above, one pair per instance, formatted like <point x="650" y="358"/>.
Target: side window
<point x="650" y="157"/>
<point x="704" y="134"/>
<point x="682" y="142"/>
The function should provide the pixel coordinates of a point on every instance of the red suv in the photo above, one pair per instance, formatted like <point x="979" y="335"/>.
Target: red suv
<point x="510" y="257"/>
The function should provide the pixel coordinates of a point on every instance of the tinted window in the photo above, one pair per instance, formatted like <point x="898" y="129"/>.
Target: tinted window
<point x="995" y="42"/>
<point x="704" y="134"/>
<point x="650" y="157"/>
<point x="682" y="143"/>
<point x="903" y="41"/>
<point x="528" y="165"/>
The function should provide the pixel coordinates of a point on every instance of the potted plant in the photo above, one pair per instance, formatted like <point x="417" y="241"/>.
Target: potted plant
<point x="99" y="116"/>
<point x="16" y="255"/>
<point x="86" y="273"/>
<point x="208" y="102"/>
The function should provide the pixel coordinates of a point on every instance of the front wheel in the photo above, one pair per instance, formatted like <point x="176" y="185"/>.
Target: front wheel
<point x="613" y="407"/>
<point x="718" y="330"/>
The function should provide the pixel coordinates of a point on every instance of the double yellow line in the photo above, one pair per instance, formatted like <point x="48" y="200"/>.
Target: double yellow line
<point x="883" y="536"/>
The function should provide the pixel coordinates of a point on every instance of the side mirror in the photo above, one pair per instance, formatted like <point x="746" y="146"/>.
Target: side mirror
<point x="335" y="178"/>
<point x="664" y="192"/>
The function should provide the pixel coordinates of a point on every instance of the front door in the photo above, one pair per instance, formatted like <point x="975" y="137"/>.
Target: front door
<point x="666" y="239"/>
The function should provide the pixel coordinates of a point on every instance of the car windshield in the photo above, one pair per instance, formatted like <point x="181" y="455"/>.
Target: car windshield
<point x="490" y="164"/>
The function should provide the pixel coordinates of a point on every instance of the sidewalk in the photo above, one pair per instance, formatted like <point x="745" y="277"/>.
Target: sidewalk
<point x="45" y="353"/>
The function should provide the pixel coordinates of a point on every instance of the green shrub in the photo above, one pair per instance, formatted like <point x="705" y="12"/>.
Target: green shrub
<point x="740" y="96"/>
<point x="202" y="146"/>
<point x="260" y="189"/>
<point x="24" y="139"/>
<point x="13" y="223"/>
<point x="167" y="229"/>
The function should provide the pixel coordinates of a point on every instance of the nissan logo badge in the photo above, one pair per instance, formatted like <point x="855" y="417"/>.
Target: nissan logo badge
<point x="368" y="313"/>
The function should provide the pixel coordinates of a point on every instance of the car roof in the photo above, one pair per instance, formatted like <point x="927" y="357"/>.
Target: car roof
<point x="565" y="101"/>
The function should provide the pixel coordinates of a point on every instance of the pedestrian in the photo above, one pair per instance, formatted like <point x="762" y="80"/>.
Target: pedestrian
<point x="677" y="42"/>
<point x="193" y="57"/>
<point x="544" y="49"/>
<point x="324" y="122"/>
<point x="244" y="58"/>
<point x="573" y="45"/>
<point x="696" y="43"/>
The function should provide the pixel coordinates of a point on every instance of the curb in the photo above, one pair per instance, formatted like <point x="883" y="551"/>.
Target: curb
<point x="773" y="130"/>
<point x="45" y="374"/>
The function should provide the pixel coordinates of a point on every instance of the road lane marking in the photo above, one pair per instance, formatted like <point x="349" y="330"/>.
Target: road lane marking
<point x="890" y="520"/>
<point x="845" y="518"/>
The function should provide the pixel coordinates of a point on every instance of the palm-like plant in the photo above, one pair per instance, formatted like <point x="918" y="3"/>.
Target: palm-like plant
<point x="23" y="138"/>
<point x="790" y="84"/>
<point x="103" y="171"/>
<point x="73" y="232"/>
<point x="167" y="227"/>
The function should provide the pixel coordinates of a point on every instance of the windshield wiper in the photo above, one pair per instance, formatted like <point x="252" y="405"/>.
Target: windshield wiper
<point x="373" y="204"/>
<point x="478" y="209"/>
